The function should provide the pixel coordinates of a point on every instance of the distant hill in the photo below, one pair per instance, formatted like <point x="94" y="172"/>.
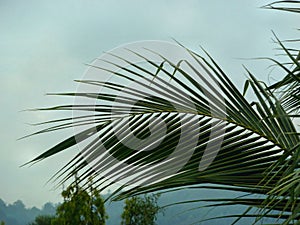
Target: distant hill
<point x="17" y="214"/>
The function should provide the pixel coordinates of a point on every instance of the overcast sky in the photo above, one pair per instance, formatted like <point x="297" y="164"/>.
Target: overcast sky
<point x="44" y="45"/>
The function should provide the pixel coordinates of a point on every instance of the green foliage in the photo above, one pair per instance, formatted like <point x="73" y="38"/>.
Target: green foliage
<point x="140" y="210"/>
<point x="42" y="220"/>
<point x="81" y="207"/>
<point x="2" y="223"/>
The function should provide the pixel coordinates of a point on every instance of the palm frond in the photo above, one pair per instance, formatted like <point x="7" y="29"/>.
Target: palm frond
<point x="288" y="89"/>
<point x="289" y="6"/>
<point x="178" y="124"/>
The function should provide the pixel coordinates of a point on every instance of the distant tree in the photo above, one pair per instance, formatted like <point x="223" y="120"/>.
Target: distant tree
<point x="141" y="210"/>
<point x="42" y="220"/>
<point x="18" y="205"/>
<point x="2" y="223"/>
<point x="48" y="209"/>
<point x="80" y="207"/>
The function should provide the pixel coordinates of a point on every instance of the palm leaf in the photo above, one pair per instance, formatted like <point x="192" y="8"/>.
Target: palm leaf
<point x="289" y="6"/>
<point x="181" y="123"/>
<point x="288" y="89"/>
